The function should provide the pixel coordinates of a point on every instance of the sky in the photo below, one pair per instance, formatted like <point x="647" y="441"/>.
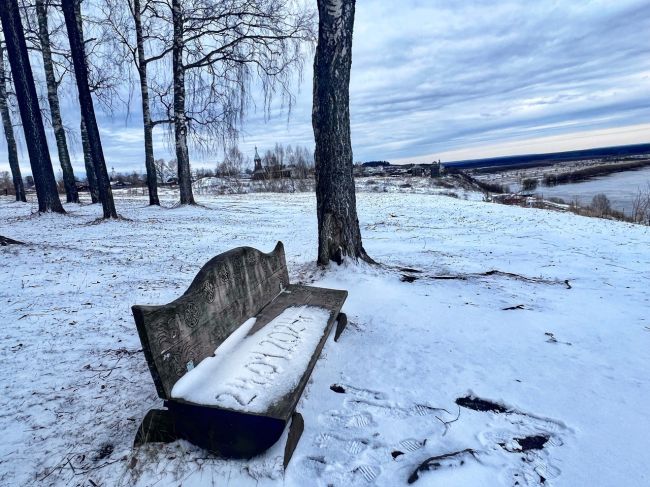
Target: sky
<point x="454" y="80"/>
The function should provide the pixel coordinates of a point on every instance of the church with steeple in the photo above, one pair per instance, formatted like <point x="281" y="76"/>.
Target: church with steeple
<point x="258" y="172"/>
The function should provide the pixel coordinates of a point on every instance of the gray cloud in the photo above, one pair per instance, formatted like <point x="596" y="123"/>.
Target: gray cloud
<point x="429" y="77"/>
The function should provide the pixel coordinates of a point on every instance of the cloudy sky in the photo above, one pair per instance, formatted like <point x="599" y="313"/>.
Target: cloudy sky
<point x="463" y="79"/>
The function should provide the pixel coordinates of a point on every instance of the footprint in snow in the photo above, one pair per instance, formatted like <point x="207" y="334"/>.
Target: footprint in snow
<point x="391" y="411"/>
<point x="376" y="401"/>
<point x="352" y="446"/>
<point x="358" y="392"/>
<point x="351" y="449"/>
<point x="345" y="419"/>
<point x="525" y="438"/>
<point x="406" y="446"/>
<point x="367" y="472"/>
<point x="411" y="444"/>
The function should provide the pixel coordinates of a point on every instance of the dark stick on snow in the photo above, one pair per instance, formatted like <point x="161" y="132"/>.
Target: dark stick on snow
<point x="434" y="463"/>
<point x="4" y="241"/>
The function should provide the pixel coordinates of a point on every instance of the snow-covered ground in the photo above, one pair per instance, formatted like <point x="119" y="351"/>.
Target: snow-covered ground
<point x="570" y="362"/>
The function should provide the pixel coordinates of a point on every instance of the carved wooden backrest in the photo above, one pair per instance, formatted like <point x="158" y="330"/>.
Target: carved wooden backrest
<point x="228" y="290"/>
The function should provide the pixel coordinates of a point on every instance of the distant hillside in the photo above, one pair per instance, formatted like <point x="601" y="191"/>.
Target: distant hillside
<point x="551" y="158"/>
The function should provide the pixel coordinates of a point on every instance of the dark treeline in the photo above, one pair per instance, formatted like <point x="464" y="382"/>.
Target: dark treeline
<point x="533" y="160"/>
<point x="592" y="172"/>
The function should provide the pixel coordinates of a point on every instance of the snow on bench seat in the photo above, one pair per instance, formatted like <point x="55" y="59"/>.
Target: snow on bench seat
<point x="254" y="369"/>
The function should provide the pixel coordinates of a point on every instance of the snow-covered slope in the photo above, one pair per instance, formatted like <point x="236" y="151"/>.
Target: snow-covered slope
<point x="569" y="363"/>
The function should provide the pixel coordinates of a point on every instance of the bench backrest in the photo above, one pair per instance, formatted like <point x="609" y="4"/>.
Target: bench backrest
<point x="228" y="290"/>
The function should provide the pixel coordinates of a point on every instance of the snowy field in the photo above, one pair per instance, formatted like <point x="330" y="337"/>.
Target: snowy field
<point x="566" y="367"/>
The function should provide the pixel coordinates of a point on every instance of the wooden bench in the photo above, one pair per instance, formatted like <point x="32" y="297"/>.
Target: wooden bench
<point x="232" y="356"/>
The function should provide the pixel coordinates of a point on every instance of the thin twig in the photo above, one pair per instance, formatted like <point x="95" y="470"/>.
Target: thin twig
<point x="447" y="423"/>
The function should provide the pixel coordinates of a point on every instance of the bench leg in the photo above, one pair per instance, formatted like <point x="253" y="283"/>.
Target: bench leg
<point x="295" y="432"/>
<point x="157" y="427"/>
<point x="341" y="323"/>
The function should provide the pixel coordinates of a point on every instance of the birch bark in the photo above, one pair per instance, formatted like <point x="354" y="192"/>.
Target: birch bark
<point x="72" y="196"/>
<point x="338" y="226"/>
<point x="180" y="121"/>
<point x="12" y="149"/>
<point x="152" y="181"/>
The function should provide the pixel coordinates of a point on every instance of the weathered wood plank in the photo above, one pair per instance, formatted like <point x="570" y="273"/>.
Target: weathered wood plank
<point x="157" y="427"/>
<point x="341" y="323"/>
<point x="229" y="289"/>
<point x="295" y="432"/>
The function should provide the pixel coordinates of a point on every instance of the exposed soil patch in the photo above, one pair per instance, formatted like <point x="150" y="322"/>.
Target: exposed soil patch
<point x="533" y="442"/>
<point x="104" y="452"/>
<point x="396" y="454"/>
<point x="527" y="443"/>
<point x="407" y="278"/>
<point x="552" y="339"/>
<point x="478" y="404"/>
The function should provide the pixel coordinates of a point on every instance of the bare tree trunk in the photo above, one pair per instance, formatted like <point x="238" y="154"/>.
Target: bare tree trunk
<point x="152" y="181"/>
<point x="85" y="143"/>
<point x="88" y="162"/>
<point x="338" y="225"/>
<point x="72" y="15"/>
<point x="180" y="122"/>
<point x="30" y="113"/>
<point x="12" y="149"/>
<point x="72" y="195"/>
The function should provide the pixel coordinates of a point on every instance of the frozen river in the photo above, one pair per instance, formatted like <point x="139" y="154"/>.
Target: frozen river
<point x="620" y="188"/>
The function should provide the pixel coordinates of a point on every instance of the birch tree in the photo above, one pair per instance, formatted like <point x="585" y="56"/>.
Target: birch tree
<point x="12" y="148"/>
<point x="87" y="108"/>
<point x="143" y="37"/>
<point x="180" y="123"/>
<point x="218" y="49"/>
<point x="39" y="155"/>
<point x="89" y="164"/>
<point x="339" y="235"/>
<point x="45" y="29"/>
<point x="72" y="195"/>
<point x="142" y="64"/>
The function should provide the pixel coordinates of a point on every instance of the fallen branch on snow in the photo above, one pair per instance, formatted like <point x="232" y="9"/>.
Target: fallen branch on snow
<point x="4" y="241"/>
<point x="446" y="460"/>
<point x="476" y="275"/>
